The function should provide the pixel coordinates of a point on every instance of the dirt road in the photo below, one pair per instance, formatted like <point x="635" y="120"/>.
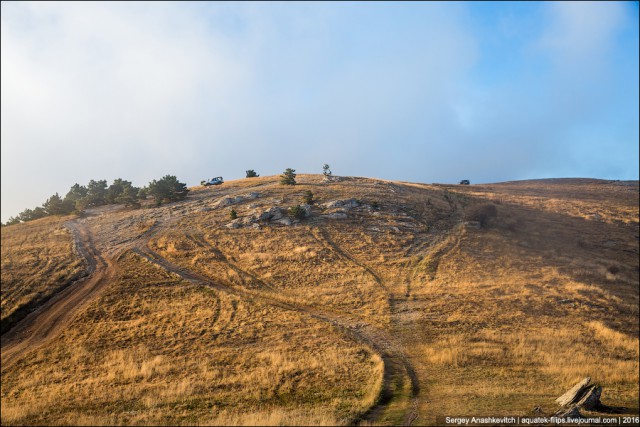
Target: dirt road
<point x="48" y="320"/>
<point x="397" y="367"/>
<point x="45" y="323"/>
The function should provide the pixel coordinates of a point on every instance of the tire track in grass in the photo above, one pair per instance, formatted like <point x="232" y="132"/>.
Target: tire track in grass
<point x="397" y="368"/>
<point x="202" y="242"/>
<point x="323" y="237"/>
<point x="46" y="322"/>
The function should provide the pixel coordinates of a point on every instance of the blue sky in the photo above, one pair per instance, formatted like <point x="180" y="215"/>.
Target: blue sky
<point x="425" y="92"/>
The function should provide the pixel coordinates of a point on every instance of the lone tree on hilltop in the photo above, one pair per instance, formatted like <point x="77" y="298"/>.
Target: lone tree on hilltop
<point x="288" y="177"/>
<point x="167" y="189"/>
<point x="326" y="171"/>
<point x="252" y="174"/>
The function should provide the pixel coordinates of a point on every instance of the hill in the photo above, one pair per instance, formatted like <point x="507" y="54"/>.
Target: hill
<point x="389" y="303"/>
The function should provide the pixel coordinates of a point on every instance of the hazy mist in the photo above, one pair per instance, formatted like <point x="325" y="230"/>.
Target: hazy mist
<point x="424" y="92"/>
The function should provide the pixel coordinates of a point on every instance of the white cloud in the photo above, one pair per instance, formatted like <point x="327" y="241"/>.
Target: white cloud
<point x="582" y="32"/>
<point x="138" y="90"/>
<point x="92" y="90"/>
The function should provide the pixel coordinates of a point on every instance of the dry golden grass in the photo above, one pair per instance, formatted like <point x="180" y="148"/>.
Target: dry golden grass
<point x="301" y="270"/>
<point x="599" y="200"/>
<point x="315" y="262"/>
<point x="518" y="312"/>
<point x="157" y="350"/>
<point x="496" y="320"/>
<point x="37" y="260"/>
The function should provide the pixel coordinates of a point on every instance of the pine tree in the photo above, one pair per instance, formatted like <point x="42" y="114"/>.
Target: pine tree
<point x="142" y="193"/>
<point x="122" y="191"/>
<point x="116" y="189"/>
<point x="288" y="177"/>
<point x="12" y="220"/>
<point x="96" y="192"/>
<point x="31" y="214"/>
<point x="129" y="197"/>
<point x="167" y="189"/>
<point x="54" y="205"/>
<point x="252" y="174"/>
<point x="76" y="193"/>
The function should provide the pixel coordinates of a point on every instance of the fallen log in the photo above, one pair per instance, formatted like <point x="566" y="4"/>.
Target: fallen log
<point x="591" y="398"/>
<point x="574" y="395"/>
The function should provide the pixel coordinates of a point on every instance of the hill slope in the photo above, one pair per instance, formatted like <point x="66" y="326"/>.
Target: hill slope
<point x="382" y="305"/>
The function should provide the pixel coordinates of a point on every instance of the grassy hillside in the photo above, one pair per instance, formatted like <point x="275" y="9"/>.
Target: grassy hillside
<point x="385" y="305"/>
<point x="37" y="261"/>
<point x="155" y="349"/>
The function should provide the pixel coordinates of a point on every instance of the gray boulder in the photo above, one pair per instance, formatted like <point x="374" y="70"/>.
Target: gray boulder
<point x="345" y="204"/>
<point x="272" y="214"/>
<point x="227" y="201"/>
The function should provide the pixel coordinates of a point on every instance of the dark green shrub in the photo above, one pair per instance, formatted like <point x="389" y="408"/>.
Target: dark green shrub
<point x="308" y="197"/>
<point x="233" y="214"/>
<point x="252" y="174"/>
<point x="297" y="212"/>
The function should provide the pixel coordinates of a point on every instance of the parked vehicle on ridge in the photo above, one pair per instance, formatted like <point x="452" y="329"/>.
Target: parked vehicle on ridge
<point x="213" y="181"/>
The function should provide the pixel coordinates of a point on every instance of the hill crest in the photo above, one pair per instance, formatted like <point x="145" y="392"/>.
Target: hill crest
<point x="397" y="302"/>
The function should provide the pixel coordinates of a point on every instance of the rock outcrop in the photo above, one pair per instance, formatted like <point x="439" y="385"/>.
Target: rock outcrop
<point x="583" y="395"/>
<point x="272" y="214"/>
<point x="228" y="201"/>
<point x="344" y="204"/>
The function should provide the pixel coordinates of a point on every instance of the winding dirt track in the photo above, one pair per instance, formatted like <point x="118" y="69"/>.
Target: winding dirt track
<point x="396" y="363"/>
<point x="48" y="320"/>
<point x="44" y="324"/>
